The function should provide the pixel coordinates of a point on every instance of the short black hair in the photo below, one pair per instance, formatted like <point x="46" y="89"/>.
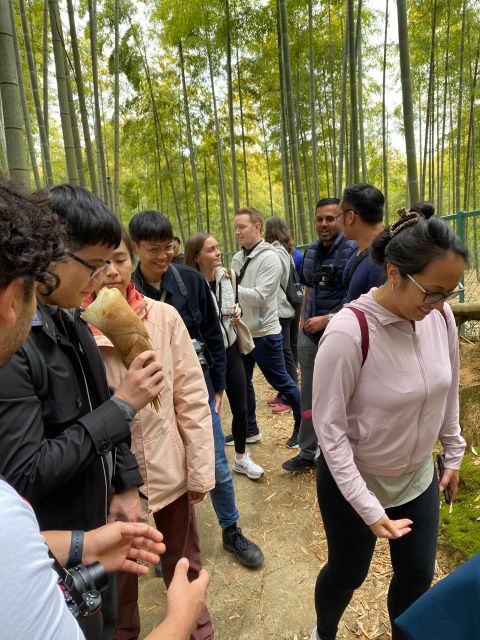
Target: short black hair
<point x="31" y="238"/>
<point x="323" y="202"/>
<point x="415" y="246"/>
<point x="150" y="225"/>
<point x="366" y="200"/>
<point x="87" y="219"/>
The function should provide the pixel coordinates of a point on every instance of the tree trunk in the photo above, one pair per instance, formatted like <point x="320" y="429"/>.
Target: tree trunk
<point x="92" y="10"/>
<point x="23" y="100"/>
<point x="359" y="57"/>
<point x="267" y="160"/>
<point x="292" y="126"/>
<point x="470" y="140"/>
<point x="313" y="124"/>
<point x="231" y="115"/>
<point x="81" y="100"/>
<point x="286" y="183"/>
<point x="429" y="102"/>
<point x="75" y="132"/>
<point x="196" y="190"/>
<point x="116" y="114"/>
<point x="57" y="40"/>
<point x="355" y="177"/>
<point x="444" y="112"/>
<point x="343" y="112"/>
<point x="333" y="98"/>
<point x="48" y="177"/>
<point x="384" y="115"/>
<point x="408" y="121"/>
<point x="45" y="67"/>
<point x="227" y="239"/>
<point x="242" y="124"/>
<point x="460" y="109"/>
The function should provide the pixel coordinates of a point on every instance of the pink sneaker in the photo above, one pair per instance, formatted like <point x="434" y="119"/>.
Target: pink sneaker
<point x="273" y="401"/>
<point x="281" y="408"/>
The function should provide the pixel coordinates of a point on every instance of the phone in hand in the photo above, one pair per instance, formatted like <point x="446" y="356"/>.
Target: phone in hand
<point x="441" y="471"/>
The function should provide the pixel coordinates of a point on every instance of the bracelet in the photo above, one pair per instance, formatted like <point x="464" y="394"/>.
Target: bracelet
<point x="76" y="549"/>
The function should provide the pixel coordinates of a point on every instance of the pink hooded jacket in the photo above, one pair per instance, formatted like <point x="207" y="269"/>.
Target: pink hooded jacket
<point x="384" y="417"/>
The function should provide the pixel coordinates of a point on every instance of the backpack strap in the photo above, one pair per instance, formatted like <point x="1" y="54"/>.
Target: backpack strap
<point x="362" y="321"/>
<point x="38" y="368"/>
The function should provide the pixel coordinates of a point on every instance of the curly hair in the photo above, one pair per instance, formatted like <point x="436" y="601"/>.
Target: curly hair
<point x="31" y="238"/>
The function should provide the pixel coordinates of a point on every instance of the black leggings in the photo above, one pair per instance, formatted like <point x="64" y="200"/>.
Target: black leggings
<point x="350" y="548"/>
<point x="237" y="396"/>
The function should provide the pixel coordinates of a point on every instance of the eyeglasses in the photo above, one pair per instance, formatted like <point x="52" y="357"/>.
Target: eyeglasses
<point x="157" y="251"/>
<point x="432" y="298"/>
<point x="96" y="271"/>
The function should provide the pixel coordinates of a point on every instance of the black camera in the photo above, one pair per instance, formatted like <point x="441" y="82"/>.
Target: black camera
<point x="81" y="587"/>
<point x="198" y="346"/>
<point x="326" y="275"/>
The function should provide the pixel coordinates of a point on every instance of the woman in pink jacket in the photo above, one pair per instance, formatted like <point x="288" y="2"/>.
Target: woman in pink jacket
<point x="385" y="389"/>
<point x="173" y="448"/>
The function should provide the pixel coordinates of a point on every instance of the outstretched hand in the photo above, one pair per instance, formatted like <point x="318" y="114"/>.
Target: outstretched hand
<point x="119" y="545"/>
<point x="391" y="529"/>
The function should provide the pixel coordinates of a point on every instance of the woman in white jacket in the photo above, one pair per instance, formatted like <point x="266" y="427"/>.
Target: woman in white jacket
<point x="202" y="253"/>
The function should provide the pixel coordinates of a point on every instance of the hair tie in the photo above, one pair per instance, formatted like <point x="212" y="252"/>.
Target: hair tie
<point x="406" y="218"/>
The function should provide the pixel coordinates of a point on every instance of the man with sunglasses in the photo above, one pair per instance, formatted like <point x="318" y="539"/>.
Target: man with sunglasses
<point x="64" y="440"/>
<point x="322" y="273"/>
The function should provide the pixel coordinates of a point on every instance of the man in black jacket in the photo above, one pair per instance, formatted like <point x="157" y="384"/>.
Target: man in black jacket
<point x="64" y="440"/>
<point x="157" y="278"/>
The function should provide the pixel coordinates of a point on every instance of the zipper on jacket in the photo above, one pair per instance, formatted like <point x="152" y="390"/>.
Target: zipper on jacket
<point x="101" y="457"/>
<point x="425" y="381"/>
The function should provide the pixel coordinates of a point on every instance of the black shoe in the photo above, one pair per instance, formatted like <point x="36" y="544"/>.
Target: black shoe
<point x="247" y="552"/>
<point x="252" y="438"/>
<point x="158" y="569"/>
<point x="298" y="464"/>
<point x="292" y="442"/>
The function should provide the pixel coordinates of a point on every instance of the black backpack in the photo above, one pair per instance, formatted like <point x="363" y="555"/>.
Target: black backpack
<point x="293" y="290"/>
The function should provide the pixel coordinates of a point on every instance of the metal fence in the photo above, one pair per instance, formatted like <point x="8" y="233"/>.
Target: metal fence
<point x="466" y="225"/>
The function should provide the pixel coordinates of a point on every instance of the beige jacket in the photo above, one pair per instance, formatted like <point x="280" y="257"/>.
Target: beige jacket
<point x="174" y="448"/>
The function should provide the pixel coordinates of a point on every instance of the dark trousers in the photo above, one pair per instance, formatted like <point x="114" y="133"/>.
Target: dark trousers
<point x="290" y="364"/>
<point x="350" y="548"/>
<point x="268" y="354"/>
<point x="178" y="523"/>
<point x="294" y="324"/>
<point x="237" y="396"/>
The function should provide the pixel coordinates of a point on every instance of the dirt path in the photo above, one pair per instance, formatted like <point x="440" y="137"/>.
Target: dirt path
<point x="280" y="514"/>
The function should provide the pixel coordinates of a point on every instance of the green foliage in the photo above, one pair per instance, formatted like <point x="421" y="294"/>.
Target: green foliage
<point x="460" y="530"/>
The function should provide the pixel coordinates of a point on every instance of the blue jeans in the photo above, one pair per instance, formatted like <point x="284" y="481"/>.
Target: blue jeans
<point x="268" y="354"/>
<point x="223" y="494"/>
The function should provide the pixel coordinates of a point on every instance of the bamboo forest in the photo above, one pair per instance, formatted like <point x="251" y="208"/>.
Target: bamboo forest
<point x="196" y="108"/>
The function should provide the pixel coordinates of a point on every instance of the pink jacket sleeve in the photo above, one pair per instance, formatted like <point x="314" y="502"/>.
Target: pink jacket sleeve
<point x="452" y="441"/>
<point x="337" y="368"/>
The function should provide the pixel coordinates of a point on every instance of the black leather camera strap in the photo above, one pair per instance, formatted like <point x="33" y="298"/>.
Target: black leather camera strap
<point x="242" y="271"/>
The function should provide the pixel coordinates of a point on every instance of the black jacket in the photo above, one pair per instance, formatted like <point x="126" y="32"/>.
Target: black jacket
<point x="56" y="451"/>
<point x="207" y="328"/>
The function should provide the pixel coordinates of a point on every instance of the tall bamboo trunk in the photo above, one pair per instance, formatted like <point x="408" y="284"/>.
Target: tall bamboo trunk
<point x="460" y="110"/>
<point x="444" y="113"/>
<point x="227" y="238"/>
<point x="92" y="10"/>
<point x="313" y="124"/>
<point x="343" y="111"/>
<point x="116" y="114"/>
<point x="196" y="190"/>
<point x="75" y="131"/>
<point x="45" y="67"/>
<point x="384" y="116"/>
<point x="354" y="154"/>
<point x="408" y="121"/>
<point x="267" y="160"/>
<point x="429" y="111"/>
<point x="231" y="115"/>
<point x="359" y="57"/>
<point x="286" y="183"/>
<point x="469" y="166"/>
<point x="333" y="103"/>
<point x="57" y="40"/>
<point x="92" y="171"/>
<point x="23" y="100"/>
<point x="242" y="125"/>
<point x="292" y="126"/>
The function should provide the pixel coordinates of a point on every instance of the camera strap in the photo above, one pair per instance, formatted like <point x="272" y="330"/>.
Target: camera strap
<point x="184" y="292"/>
<point x="242" y="270"/>
<point x="336" y="265"/>
<point x="66" y="579"/>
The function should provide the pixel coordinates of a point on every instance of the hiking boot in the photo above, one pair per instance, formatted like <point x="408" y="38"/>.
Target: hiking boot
<point x="292" y="442"/>
<point x="251" y="439"/>
<point x="298" y="464"/>
<point x="248" y="467"/>
<point x="281" y="408"/>
<point x="246" y="552"/>
<point x="273" y="401"/>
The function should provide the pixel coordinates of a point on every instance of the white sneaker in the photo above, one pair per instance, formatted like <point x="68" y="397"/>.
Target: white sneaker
<point x="248" y="467"/>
